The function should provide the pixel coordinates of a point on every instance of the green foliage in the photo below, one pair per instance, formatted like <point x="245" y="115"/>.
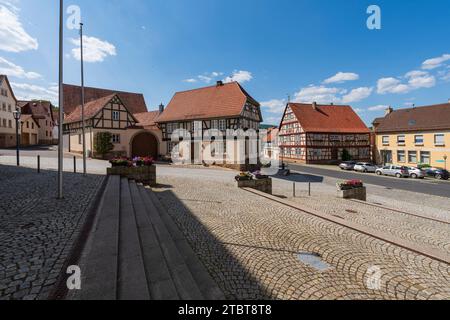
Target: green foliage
<point x="346" y="156"/>
<point x="103" y="144"/>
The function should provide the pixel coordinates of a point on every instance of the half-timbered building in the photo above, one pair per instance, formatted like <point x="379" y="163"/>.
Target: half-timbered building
<point x="323" y="134"/>
<point x="122" y="114"/>
<point x="225" y="106"/>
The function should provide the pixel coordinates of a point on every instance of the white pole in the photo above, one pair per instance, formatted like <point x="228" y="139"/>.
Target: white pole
<point x="82" y="100"/>
<point x="61" y="99"/>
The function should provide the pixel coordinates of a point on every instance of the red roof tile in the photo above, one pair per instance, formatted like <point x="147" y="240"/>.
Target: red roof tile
<point x="219" y="101"/>
<point x="134" y="102"/>
<point x="328" y="119"/>
<point x="39" y="109"/>
<point x="147" y="119"/>
<point x="435" y="117"/>
<point x="90" y="109"/>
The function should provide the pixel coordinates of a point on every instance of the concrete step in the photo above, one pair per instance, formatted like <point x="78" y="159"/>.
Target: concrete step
<point x="159" y="279"/>
<point x="210" y="290"/>
<point x="99" y="273"/>
<point x="182" y="277"/>
<point x="132" y="284"/>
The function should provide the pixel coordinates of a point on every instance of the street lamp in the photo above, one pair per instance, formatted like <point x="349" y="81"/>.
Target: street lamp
<point x="17" y="114"/>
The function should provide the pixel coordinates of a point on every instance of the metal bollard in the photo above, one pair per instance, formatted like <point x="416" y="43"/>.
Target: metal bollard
<point x="309" y="189"/>
<point x="294" y="191"/>
<point x="39" y="164"/>
<point x="74" y="164"/>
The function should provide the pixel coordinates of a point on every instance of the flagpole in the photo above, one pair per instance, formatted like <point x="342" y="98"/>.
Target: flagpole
<point x="82" y="100"/>
<point x="61" y="99"/>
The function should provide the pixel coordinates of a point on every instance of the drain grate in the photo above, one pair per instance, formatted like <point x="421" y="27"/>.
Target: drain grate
<point x="313" y="260"/>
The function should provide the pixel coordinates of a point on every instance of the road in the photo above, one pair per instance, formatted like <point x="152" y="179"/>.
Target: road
<point x="431" y="187"/>
<point x="43" y="151"/>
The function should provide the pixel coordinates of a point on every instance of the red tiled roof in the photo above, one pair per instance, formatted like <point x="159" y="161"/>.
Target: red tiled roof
<point x="134" y="102"/>
<point x="436" y="117"/>
<point x="147" y="119"/>
<point x="38" y="109"/>
<point x="90" y="109"/>
<point x="219" y="101"/>
<point x="328" y="119"/>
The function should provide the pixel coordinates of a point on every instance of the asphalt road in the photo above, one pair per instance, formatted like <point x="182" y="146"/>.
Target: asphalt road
<point x="428" y="186"/>
<point x="43" y="151"/>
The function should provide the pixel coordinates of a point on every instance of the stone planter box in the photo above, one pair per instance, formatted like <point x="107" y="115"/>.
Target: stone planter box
<point x="145" y="175"/>
<point x="263" y="185"/>
<point x="356" y="193"/>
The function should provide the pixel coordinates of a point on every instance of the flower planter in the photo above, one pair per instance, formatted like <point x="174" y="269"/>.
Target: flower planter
<point x="263" y="185"/>
<point x="354" y="193"/>
<point x="144" y="174"/>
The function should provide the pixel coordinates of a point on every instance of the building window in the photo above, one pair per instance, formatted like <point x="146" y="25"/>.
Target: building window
<point x="4" y="106"/>
<point x="116" y="115"/>
<point x="215" y="124"/>
<point x="32" y="125"/>
<point x="10" y="123"/>
<point x="9" y="108"/>
<point x="401" y="156"/>
<point x="80" y="139"/>
<point x="439" y="140"/>
<point x="425" y="157"/>
<point x="116" y="138"/>
<point x="386" y="140"/>
<point x="28" y="125"/>
<point x="198" y="125"/>
<point x="222" y="125"/>
<point x="401" y="140"/>
<point x="412" y="156"/>
<point x="418" y="140"/>
<point x="4" y="123"/>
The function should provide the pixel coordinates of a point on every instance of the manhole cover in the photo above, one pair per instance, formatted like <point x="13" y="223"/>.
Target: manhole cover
<point x="313" y="260"/>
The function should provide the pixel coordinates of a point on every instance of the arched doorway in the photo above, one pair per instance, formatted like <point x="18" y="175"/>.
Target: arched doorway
<point x="144" y="144"/>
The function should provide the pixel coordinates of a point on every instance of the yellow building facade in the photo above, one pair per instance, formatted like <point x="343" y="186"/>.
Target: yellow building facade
<point x="415" y="136"/>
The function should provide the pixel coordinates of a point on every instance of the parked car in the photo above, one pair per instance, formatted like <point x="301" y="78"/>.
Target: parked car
<point x="416" y="173"/>
<point x="394" y="171"/>
<point x="437" y="173"/>
<point x="365" y="167"/>
<point x="347" y="165"/>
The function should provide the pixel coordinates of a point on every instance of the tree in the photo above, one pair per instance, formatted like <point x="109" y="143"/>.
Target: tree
<point x="346" y="156"/>
<point x="103" y="144"/>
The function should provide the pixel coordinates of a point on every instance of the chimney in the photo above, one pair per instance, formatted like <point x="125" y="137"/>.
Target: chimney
<point x="219" y="83"/>
<point x="314" y="105"/>
<point x="389" y="111"/>
<point x="161" y="108"/>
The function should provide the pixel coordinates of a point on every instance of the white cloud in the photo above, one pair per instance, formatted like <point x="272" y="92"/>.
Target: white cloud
<point x="358" y="110"/>
<point x="13" y="70"/>
<point x="420" y="79"/>
<point x="434" y="63"/>
<point x="192" y="80"/>
<point x="379" y="107"/>
<point x="205" y="79"/>
<point x="274" y="105"/>
<point x="342" y="77"/>
<point x="391" y="85"/>
<point x="273" y="120"/>
<point x="357" y="95"/>
<point x="94" y="49"/>
<point x="13" y="37"/>
<point x="24" y="91"/>
<point x="239" y="76"/>
<point x="319" y="94"/>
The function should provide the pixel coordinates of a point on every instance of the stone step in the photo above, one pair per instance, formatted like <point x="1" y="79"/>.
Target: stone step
<point x="207" y="285"/>
<point x="132" y="284"/>
<point x="159" y="279"/>
<point x="185" y="283"/>
<point x="99" y="273"/>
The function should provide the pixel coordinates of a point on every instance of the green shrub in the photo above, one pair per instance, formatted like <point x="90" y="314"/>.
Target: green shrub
<point x="103" y="144"/>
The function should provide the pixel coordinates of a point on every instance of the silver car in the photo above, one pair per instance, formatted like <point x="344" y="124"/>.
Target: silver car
<point x="365" y="167"/>
<point x="393" y="171"/>
<point x="416" y="173"/>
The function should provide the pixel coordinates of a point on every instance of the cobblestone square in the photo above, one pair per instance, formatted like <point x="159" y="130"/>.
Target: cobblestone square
<point x="37" y="231"/>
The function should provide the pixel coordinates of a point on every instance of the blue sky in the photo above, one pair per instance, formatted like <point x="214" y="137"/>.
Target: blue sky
<point x="310" y="50"/>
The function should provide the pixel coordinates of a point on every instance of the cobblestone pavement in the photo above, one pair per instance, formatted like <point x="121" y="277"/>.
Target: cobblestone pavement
<point x="37" y="231"/>
<point x="415" y="229"/>
<point x="250" y="246"/>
